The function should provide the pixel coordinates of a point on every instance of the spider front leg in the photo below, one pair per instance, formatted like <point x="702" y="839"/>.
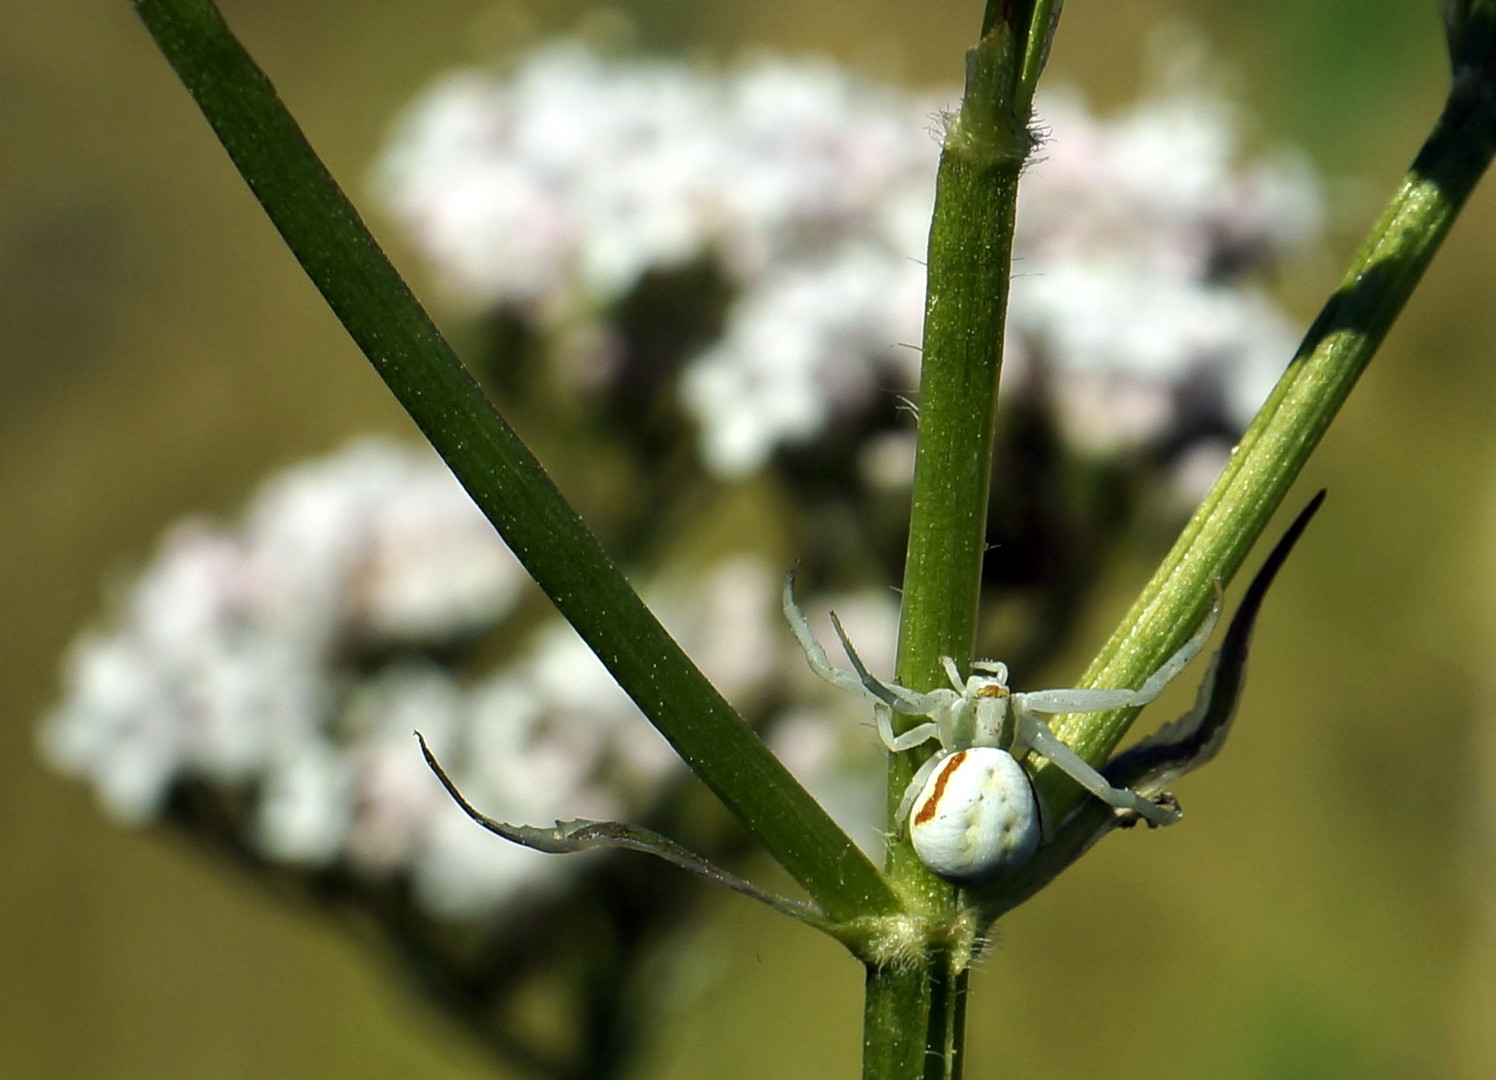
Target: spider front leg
<point x="858" y="681"/>
<point x="815" y="656"/>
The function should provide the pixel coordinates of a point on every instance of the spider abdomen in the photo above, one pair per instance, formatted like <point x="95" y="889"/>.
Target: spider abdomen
<point x="976" y="818"/>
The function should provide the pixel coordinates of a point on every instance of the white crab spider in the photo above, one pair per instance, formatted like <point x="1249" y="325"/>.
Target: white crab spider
<point x="971" y="810"/>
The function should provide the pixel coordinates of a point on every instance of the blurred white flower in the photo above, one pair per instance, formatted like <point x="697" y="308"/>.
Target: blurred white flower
<point x="305" y="806"/>
<point x="1141" y="238"/>
<point x="229" y="659"/>
<point x="234" y="661"/>
<point x="115" y="727"/>
<point x="1140" y="243"/>
<point x="559" y="187"/>
<point x="812" y="340"/>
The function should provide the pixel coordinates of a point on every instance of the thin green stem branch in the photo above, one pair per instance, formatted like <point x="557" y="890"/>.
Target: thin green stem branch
<point x="327" y="237"/>
<point x="1041" y="27"/>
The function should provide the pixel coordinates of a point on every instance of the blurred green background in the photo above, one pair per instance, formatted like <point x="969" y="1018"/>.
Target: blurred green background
<point x="1330" y="909"/>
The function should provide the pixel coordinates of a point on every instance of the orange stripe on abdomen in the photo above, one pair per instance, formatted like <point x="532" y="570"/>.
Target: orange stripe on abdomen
<point x="927" y="811"/>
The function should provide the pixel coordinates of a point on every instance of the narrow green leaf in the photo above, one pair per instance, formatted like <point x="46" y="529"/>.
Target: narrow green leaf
<point x="581" y="834"/>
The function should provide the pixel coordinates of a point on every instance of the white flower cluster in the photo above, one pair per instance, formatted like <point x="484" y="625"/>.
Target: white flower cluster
<point x="1139" y="237"/>
<point x="1140" y="246"/>
<point x="219" y="664"/>
<point x="556" y="189"/>
<point x="230" y="662"/>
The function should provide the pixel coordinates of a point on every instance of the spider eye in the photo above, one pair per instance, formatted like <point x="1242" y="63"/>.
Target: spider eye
<point x="977" y="818"/>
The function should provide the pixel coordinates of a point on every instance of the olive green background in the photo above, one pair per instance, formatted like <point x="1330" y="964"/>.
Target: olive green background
<point x="1328" y="910"/>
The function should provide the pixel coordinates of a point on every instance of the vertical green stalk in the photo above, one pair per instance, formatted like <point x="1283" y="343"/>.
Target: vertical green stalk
<point x="970" y="256"/>
<point x="894" y="1017"/>
<point x="914" y="1019"/>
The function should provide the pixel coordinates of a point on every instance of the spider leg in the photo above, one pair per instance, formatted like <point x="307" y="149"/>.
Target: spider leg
<point x="890" y="698"/>
<point x="1187" y="652"/>
<point x="1034" y="733"/>
<point x="908" y="740"/>
<point x="894" y="696"/>
<point x="815" y="656"/>
<point x="1078" y="700"/>
<point x="953" y="673"/>
<point x="996" y="668"/>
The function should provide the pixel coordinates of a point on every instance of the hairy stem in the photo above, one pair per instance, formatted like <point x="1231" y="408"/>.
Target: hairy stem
<point x="970" y="255"/>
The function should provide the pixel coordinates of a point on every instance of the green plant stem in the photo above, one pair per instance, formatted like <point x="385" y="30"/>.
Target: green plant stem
<point x="327" y="237"/>
<point x="970" y="256"/>
<point x="904" y="1003"/>
<point x="1289" y="426"/>
<point x="896" y="1006"/>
